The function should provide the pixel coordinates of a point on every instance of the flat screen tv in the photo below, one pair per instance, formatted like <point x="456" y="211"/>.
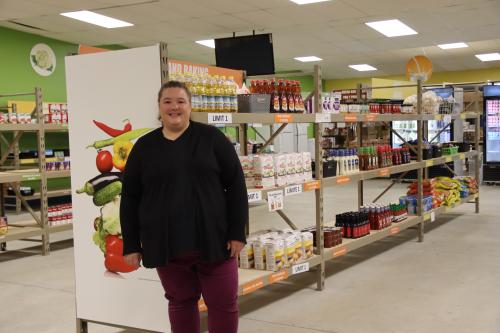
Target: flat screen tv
<point x="253" y="53"/>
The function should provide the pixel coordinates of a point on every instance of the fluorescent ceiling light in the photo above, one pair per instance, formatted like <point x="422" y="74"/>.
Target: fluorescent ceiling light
<point x="97" y="19"/>
<point x="392" y="28"/>
<point x="453" y="46"/>
<point x="207" y="42"/>
<point x="488" y="56"/>
<point x="306" y="2"/>
<point x="308" y="59"/>
<point x="363" y="67"/>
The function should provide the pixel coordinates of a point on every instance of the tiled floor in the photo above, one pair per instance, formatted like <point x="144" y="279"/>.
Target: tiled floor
<point x="448" y="283"/>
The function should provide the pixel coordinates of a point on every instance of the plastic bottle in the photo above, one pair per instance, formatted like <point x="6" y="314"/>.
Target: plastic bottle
<point x="233" y="94"/>
<point x="290" y="99"/>
<point x="341" y="162"/>
<point x="282" y="96"/>
<point x="336" y="158"/>
<point x="195" y="95"/>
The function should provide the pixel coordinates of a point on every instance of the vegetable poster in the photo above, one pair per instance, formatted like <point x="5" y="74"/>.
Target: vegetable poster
<point x="112" y="102"/>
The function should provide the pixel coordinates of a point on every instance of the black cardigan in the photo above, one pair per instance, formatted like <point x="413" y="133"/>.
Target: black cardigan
<point x="198" y="179"/>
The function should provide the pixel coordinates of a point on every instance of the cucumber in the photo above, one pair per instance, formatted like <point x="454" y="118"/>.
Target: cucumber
<point x="99" y="182"/>
<point x="107" y="193"/>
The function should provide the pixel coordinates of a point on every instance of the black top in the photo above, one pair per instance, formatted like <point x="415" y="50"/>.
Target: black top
<point x="184" y="195"/>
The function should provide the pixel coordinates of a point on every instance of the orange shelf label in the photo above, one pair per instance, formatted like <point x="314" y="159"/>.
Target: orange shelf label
<point x="384" y="172"/>
<point x="394" y="230"/>
<point x="350" y="119"/>
<point x="314" y="185"/>
<point x="283" y="118"/>
<point x="343" y="179"/>
<point x="339" y="252"/>
<point x="280" y="276"/>
<point x="252" y="286"/>
<point x="370" y="117"/>
<point x="202" y="306"/>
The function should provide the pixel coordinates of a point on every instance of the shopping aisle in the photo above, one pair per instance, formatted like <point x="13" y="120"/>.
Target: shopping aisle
<point x="448" y="283"/>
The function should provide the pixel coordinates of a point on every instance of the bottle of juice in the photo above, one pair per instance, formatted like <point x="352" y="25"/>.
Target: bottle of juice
<point x="233" y="96"/>
<point x="282" y="96"/>
<point x="290" y="99"/>
<point x="275" y="98"/>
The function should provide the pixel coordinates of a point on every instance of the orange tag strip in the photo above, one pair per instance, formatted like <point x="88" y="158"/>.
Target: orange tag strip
<point x="384" y="172"/>
<point x="394" y="230"/>
<point x="280" y="276"/>
<point x="314" y="185"/>
<point x="370" y="117"/>
<point x="350" y="119"/>
<point x="340" y="252"/>
<point x="252" y="286"/>
<point x="343" y="180"/>
<point x="202" y="306"/>
<point x="283" y="118"/>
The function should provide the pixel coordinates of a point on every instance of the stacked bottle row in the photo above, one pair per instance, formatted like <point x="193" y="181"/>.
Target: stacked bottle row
<point x="382" y="156"/>
<point x="286" y="95"/>
<point x="210" y="93"/>
<point x="347" y="161"/>
<point x="380" y="216"/>
<point x="353" y="224"/>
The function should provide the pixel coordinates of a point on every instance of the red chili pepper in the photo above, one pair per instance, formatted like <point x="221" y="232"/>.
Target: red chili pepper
<point x="113" y="131"/>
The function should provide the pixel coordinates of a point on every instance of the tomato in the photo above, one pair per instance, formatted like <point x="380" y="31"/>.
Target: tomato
<point x="104" y="161"/>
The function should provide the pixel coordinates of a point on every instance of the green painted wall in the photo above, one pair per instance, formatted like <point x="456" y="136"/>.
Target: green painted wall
<point x="17" y="75"/>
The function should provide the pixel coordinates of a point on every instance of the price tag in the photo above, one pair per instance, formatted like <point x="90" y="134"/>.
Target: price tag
<point x="394" y="230"/>
<point x="462" y="116"/>
<point x="438" y="117"/>
<point x="433" y="216"/>
<point x="252" y="286"/>
<point x="283" y="118"/>
<point x="300" y="268"/>
<point x="475" y="196"/>
<point x="343" y="180"/>
<point x="220" y="118"/>
<point x="427" y="216"/>
<point x="384" y="172"/>
<point x="340" y="125"/>
<point x="370" y="117"/>
<point x="448" y="159"/>
<point x="323" y="118"/>
<point x="429" y="163"/>
<point x="30" y="177"/>
<point x="292" y="190"/>
<point x="254" y="196"/>
<point x="339" y="252"/>
<point x="310" y="186"/>
<point x="447" y="118"/>
<point x="462" y="156"/>
<point x="275" y="200"/>
<point x="350" y="119"/>
<point x="280" y="276"/>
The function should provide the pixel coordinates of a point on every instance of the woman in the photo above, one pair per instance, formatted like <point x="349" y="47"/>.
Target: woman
<point x="183" y="211"/>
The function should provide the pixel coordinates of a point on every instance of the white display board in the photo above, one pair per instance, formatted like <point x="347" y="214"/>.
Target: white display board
<point x="110" y="87"/>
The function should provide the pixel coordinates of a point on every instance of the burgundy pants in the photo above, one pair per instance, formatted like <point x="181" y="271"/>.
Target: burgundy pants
<point x="186" y="278"/>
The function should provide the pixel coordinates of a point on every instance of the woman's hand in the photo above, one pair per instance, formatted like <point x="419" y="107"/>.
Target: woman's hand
<point x="235" y="247"/>
<point x="133" y="259"/>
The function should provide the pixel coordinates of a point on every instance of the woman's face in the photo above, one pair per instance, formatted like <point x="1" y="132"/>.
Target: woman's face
<point x="175" y="108"/>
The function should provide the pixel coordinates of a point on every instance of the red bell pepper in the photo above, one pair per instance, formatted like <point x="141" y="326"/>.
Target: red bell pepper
<point x="113" y="131"/>
<point x="114" y="260"/>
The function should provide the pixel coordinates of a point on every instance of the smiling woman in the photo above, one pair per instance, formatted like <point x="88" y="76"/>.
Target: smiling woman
<point x="184" y="208"/>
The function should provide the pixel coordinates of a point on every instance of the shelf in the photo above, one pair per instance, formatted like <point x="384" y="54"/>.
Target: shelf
<point x="30" y="174"/>
<point x="251" y="280"/>
<point x="34" y="127"/>
<point x="50" y="194"/>
<point x="20" y="230"/>
<point x="58" y="174"/>
<point x="259" y="194"/>
<point x="449" y="158"/>
<point x="60" y="228"/>
<point x="276" y="118"/>
<point x="370" y="174"/>
<point x="349" y="244"/>
<point x="29" y="161"/>
<point x="446" y="209"/>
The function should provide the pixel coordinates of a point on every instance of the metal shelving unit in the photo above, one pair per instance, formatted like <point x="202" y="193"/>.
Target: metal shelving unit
<point x="252" y="279"/>
<point x="38" y="225"/>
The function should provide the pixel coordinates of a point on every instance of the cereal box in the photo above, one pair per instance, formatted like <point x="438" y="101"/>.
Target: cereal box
<point x="275" y="254"/>
<point x="307" y="244"/>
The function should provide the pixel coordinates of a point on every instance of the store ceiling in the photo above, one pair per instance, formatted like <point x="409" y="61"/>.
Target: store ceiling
<point x="334" y="30"/>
